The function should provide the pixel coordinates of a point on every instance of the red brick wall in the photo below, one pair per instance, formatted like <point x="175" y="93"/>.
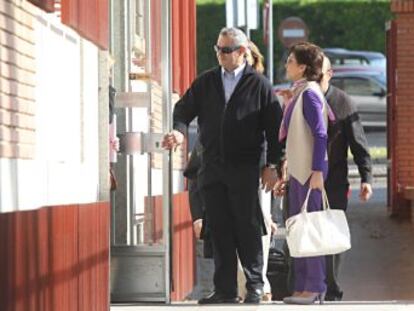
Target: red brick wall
<point x="17" y="79"/>
<point x="404" y="106"/>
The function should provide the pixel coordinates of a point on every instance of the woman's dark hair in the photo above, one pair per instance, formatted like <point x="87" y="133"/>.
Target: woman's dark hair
<point x="311" y="56"/>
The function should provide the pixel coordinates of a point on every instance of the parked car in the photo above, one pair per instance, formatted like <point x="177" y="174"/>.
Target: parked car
<point x="368" y="89"/>
<point x="343" y="57"/>
<point x="346" y="60"/>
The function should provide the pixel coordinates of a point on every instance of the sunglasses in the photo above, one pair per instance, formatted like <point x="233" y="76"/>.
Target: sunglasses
<point x="226" y="49"/>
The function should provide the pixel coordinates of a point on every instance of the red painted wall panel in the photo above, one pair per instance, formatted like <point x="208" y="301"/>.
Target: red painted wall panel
<point x="69" y="13"/>
<point x="47" y="5"/>
<point x="183" y="44"/>
<point x="93" y="258"/>
<point x="90" y="18"/>
<point x="103" y="25"/>
<point x="47" y="254"/>
<point x="183" y="248"/>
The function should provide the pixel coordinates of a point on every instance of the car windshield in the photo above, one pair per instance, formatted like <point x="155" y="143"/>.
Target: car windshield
<point x="381" y="78"/>
<point x="378" y="62"/>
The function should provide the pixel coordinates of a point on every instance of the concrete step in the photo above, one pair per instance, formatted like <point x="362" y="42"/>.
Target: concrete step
<point x="279" y="306"/>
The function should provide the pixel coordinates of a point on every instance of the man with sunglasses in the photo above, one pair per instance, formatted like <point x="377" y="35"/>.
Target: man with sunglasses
<point x="236" y="112"/>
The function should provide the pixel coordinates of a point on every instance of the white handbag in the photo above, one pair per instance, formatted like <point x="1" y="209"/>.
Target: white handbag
<point x="319" y="233"/>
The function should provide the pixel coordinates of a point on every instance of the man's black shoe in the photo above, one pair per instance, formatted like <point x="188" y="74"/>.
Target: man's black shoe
<point x="253" y="296"/>
<point x="216" y="298"/>
<point x="334" y="296"/>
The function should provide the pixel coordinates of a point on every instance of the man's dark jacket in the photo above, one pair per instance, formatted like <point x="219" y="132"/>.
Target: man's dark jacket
<point x="347" y="131"/>
<point x="232" y="132"/>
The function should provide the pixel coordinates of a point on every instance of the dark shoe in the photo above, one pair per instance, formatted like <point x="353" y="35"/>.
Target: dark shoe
<point x="334" y="296"/>
<point x="216" y="298"/>
<point x="253" y="296"/>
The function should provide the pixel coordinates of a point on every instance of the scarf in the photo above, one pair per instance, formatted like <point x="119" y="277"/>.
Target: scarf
<point x="297" y="88"/>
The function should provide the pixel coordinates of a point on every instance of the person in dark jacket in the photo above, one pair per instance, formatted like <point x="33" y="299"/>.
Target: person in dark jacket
<point x="236" y="112"/>
<point x="346" y="132"/>
<point x="197" y="209"/>
<point x="191" y="172"/>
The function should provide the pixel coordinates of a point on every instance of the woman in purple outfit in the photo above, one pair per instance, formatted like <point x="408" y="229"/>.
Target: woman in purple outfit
<point x="304" y="127"/>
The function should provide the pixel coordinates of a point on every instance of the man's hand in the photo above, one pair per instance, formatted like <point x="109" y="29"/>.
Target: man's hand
<point x="198" y="225"/>
<point x="172" y="140"/>
<point x="366" y="192"/>
<point x="279" y="189"/>
<point x="269" y="178"/>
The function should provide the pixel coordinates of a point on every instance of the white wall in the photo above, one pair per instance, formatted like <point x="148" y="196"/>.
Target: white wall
<point x="65" y="168"/>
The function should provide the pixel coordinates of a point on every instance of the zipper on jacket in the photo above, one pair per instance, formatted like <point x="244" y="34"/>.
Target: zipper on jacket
<point x="223" y="115"/>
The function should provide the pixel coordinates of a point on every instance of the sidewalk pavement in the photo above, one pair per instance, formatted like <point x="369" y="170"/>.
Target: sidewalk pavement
<point x="377" y="274"/>
<point x="336" y="306"/>
<point x="378" y="170"/>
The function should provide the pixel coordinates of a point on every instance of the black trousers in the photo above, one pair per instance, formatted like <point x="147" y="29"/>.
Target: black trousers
<point x="338" y="199"/>
<point x="230" y="195"/>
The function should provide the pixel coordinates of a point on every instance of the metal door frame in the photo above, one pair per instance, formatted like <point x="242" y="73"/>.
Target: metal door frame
<point x="132" y="265"/>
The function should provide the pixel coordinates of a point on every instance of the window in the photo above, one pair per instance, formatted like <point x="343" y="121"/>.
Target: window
<point x="338" y="82"/>
<point x="348" y="61"/>
<point x="360" y="87"/>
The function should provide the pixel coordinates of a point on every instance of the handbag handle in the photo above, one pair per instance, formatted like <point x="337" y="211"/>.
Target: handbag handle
<point x="325" y="201"/>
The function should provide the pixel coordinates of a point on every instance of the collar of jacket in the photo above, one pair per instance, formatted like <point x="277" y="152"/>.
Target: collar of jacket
<point x="248" y="70"/>
<point x="328" y="93"/>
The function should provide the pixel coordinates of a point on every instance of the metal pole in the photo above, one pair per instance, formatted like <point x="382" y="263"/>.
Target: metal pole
<point x="246" y="20"/>
<point x="130" y="158"/>
<point x="166" y="124"/>
<point x="148" y="68"/>
<point x="270" y="43"/>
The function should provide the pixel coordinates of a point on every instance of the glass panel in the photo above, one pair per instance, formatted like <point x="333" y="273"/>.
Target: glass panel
<point x="142" y="219"/>
<point x="146" y="65"/>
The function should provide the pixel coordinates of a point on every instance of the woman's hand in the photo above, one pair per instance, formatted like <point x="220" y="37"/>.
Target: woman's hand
<point x="280" y="188"/>
<point x="316" y="180"/>
<point x="286" y="94"/>
<point x="198" y="226"/>
<point x="273" y="227"/>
